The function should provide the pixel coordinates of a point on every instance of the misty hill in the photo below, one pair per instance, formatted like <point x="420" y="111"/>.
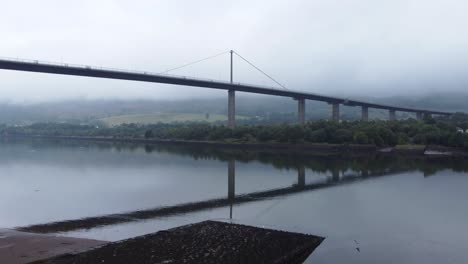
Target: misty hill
<point x="89" y="111"/>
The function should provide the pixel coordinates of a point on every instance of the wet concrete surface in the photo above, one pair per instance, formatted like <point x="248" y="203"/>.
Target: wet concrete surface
<point x="20" y="247"/>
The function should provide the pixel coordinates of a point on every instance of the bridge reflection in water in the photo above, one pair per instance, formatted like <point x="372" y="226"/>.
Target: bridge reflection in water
<point x="338" y="171"/>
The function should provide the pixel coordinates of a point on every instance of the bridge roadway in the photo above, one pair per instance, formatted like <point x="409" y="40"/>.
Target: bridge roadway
<point x="231" y="87"/>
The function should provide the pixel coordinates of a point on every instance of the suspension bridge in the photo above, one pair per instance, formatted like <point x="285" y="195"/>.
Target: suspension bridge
<point x="230" y="86"/>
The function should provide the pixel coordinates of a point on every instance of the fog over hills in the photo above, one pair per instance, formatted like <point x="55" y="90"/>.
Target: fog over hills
<point x="88" y="111"/>
<point x="365" y="47"/>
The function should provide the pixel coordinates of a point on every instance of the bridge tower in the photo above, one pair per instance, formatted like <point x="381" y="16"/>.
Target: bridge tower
<point x="231" y="101"/>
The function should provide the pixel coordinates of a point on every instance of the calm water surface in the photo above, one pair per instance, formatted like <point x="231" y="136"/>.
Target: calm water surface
<point x="378" y="209"/>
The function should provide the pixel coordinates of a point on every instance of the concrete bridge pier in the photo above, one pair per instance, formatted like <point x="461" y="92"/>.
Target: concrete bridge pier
<point x="427" y="115"/>
<point x="335" y="112"/>
<point x="301" y="176"/>
<point x="364" y="113"/>
<point x="392" y="115"/>
<point x="419" y="116"/>
<point x="301" y="111"/>
<point x="231" y="108"/>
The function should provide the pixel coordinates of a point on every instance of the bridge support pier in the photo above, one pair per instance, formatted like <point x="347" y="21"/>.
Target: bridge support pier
<point x="419" y="116"/>
<point x="427" y="115"/>
<point x="231" y="108"/>
<point x="336" y="112"/>
<point x="301" y="111"/>
<point x="391" y="115"/>
<point x="301" y="176"/>
<point x="364" y="113"/>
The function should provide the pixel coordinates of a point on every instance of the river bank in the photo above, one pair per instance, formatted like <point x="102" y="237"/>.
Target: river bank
<point x="22" y="247"/>
<point x="310" y="148"/>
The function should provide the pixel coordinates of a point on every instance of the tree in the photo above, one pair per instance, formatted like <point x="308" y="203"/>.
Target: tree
<point x="361" y="138"/>
<point x="149" y="134"/>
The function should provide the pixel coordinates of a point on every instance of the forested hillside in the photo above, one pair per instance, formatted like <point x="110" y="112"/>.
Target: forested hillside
<point x="440" y="131"/>
<point x="265" y="108"/>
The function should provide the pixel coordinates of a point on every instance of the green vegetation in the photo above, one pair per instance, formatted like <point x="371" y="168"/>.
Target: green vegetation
<point x="164" y="118"/>
<point x="440" y="131"/>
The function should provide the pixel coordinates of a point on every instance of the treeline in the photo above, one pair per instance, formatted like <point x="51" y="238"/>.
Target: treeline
<point x="441" y="131"/>
<point x="380" y="133"/>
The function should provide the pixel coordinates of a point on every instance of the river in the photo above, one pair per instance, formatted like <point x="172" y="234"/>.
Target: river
<point x="370" y="209"/>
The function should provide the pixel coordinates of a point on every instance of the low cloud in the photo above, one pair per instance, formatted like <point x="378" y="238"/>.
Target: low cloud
<point x="361" y="47"/>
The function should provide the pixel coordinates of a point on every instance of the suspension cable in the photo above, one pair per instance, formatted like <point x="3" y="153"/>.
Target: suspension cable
<point x="264" y="73"/>
<point x="194" y="62"/>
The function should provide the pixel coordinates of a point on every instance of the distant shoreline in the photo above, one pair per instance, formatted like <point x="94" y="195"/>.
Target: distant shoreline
<point x="314" y="148"/>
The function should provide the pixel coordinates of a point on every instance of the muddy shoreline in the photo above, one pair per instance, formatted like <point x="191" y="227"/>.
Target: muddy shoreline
<point x="20" y="247"/>
<point x="308" y="148"/>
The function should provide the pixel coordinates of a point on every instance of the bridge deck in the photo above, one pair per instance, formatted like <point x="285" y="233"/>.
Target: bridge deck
<point x="87" y="71"/>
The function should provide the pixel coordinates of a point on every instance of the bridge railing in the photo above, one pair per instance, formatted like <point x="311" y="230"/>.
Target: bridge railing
<point x="83" y="66"/>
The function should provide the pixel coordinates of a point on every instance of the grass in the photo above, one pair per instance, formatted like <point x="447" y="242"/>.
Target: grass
<point x="406" y="147"/>
<point x="164" y="118"/>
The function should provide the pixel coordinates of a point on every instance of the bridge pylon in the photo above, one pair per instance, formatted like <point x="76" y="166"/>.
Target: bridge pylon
<point x="231" y="99"/>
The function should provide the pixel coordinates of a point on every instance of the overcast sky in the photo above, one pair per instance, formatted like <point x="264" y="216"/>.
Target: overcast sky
<point x="374" y="47"/>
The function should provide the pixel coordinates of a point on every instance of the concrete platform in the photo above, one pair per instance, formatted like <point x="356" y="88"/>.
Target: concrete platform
<point x="20" y="247"/>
